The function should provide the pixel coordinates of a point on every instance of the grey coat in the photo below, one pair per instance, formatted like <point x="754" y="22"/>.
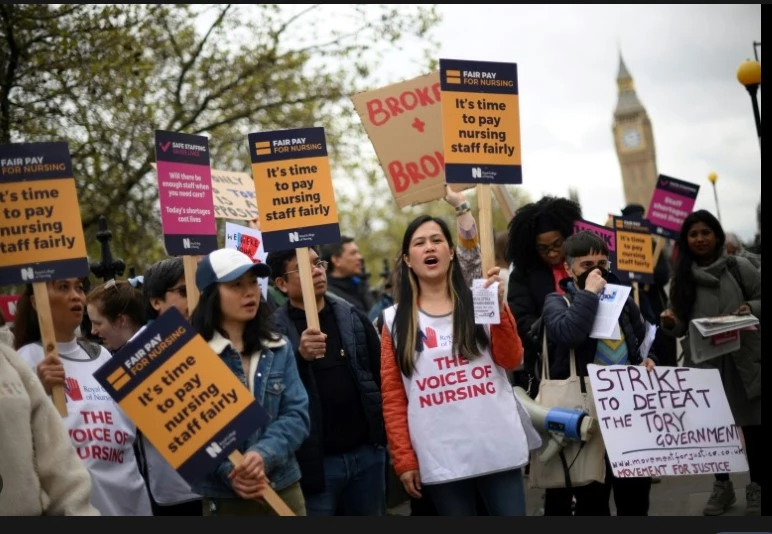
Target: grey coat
<point x="719" y="294"/>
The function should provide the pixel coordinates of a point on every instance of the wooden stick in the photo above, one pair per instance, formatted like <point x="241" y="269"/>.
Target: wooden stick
<point x="307" y="285"/>
<point x="659" y="245"/>
<point x="190" y="264"/>
<point x="271" y="497"/>
<point x="48" y="337"/>
<point x="505" y="201"/>
<point x="485" y="223"/>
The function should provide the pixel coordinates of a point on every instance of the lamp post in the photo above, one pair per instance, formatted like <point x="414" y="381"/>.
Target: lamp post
<point x="749" y="75"/>
<point x="713" y="178"/>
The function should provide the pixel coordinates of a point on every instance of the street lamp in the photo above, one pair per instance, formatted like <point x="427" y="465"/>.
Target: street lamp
<point x="713" y="178"/>
<point x="749" y="74"/>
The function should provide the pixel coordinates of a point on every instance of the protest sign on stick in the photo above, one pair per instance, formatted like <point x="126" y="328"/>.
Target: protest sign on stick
<point x="184" y="399"/>
<point x="481" y="133"/>
<point x="41" y="237"/>
<point x="187" y="203"/>
<point x="295" y="198"/>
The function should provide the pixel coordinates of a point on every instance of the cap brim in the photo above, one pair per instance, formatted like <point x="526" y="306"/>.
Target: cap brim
<point x="261" y="270"/>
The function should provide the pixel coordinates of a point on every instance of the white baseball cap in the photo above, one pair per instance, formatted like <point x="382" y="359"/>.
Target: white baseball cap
<point x="227" y="265"/>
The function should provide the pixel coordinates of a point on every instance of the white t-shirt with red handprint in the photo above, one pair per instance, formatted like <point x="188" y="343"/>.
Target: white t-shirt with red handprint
<point x="100" y="431"/>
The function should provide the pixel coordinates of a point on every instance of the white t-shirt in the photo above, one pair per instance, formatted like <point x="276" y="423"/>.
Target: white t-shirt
<point x="166" y="484"/>
<point x="462" y="415"/>
<point x="100" y="431"/>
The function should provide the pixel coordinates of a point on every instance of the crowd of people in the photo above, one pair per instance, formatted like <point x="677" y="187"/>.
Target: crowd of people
<point x="351" y="402"/>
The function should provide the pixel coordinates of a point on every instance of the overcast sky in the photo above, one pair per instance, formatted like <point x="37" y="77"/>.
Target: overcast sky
<point x="683" y="60"/>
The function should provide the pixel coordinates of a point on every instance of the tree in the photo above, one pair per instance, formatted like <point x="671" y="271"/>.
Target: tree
<point x="104" y="77"/>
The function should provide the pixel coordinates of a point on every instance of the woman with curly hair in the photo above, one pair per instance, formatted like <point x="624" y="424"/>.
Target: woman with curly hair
<point x="534" y="248"/>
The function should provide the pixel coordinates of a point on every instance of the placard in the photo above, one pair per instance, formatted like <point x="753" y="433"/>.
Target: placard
<point x="671" y="202"/>
<point x="480" y="122"/>
<point x="185" y="193"/>
<point x="296" y="200"/>
<point x="182" y="396"/>
<point x="670" y="421"/>
<point x="635" y="250"/>
<point x="41" y="233"/>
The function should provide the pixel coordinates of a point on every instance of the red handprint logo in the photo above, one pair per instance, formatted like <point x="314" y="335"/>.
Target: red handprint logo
<point x="429" y="339"/>
<point x="72" y="389"/>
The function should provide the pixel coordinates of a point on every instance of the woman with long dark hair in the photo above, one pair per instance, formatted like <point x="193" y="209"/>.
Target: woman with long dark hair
<point x="710" y="283"/>
<point x="237" y="324"/>
<point x="452" y="420"/>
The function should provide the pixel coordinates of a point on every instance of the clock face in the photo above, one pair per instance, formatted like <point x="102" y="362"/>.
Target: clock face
<point x="631" y="138"/>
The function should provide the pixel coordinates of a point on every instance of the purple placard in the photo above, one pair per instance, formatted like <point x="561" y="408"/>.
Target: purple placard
<point x="185" y="192"/>
<point x="672" y="201"/>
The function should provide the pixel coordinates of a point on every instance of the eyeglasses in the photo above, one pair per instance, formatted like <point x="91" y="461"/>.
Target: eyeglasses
<point x="182" y="290"/>
<point x="546" y="249"/>
<point x="321" y="264"/>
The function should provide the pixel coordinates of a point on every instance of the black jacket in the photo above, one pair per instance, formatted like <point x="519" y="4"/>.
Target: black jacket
<point x="526" y="292"/>
<point x="363" y="347"/>
<point x="570" y="326"/>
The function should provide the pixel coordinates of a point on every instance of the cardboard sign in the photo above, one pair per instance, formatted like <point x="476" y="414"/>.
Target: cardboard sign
<point x="404" y="124"/>
<point x="182" y="396"/>
<point x="635" y="252"/>
<point x="234" y="195"/>
<point x="296" y="200"/>
<point x="41" y="233"/>
<point x="609" y="237"/>
<point x="670" y="421"/>
<point x="185" y="192"/>
<point x="672" y="201"/>
<point x="480" y="122"/>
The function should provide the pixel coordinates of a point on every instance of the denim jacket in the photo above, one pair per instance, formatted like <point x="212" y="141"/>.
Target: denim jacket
<point x="278" y="389"/>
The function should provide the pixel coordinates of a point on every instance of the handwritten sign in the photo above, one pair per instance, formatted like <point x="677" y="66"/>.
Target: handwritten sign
<point x="404" y="124"/>
<point x="608" y="235"/>
<point x="672" y="201"/>
<point x="481" y="122"/>
<point x="182" y="396"/>
<point x="667" y="422"/>
<point x="296" y="200"/>
<point x="41" y="233"/>
<point x="635" y="252"/>
<point x="185" y="192"/>
<point x="234" y="195"/>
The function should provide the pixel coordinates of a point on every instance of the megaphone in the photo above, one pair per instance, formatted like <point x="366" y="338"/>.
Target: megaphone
<point x="559" y="424"/>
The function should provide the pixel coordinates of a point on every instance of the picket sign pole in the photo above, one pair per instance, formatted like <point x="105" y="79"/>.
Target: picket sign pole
<point x="48" y="338"/>
<point x="485" y="222"/>
<point x="505" y="201"/>
<point x="190" y="264"/>
<point x="307" y="284"/>
<point x="270" y="496"/>
<point x="636" y="298"/>
<point x="659" y="245"/>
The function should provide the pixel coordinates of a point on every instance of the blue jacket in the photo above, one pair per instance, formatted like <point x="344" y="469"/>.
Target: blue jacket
<point x="569" y="327"/>
<point x="278" y="389"/>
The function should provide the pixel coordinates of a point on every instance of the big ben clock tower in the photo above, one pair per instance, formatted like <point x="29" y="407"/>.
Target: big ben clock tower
<point x="634" y="142"/>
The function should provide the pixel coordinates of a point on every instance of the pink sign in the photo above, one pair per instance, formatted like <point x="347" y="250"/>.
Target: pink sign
<point x="672" y="201"/>
<point x="185" y="192"/>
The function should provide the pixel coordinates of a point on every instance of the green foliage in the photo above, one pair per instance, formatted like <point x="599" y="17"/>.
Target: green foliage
<point x="104" y="77"/>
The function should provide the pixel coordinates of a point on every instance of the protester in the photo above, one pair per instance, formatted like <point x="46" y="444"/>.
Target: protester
<point x="231" y="318"/>
<point x="704" y="286"/>
<point x="100" y="431"/>
<point x="117" y="312"/>
<point x="568" y="322"/>
<point x="451" y="443"/>
<point x="41" y="472"/>
<point x="343" y="461"/>
<point x="346" y="277"/>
